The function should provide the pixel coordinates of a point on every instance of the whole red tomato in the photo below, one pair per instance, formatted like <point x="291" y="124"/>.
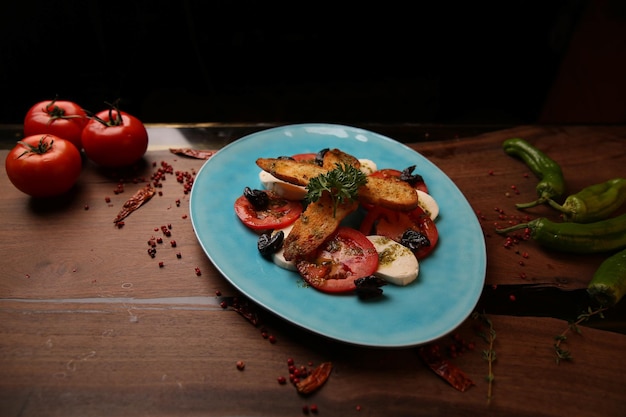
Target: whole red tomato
<point x="64" y="119"/>
<point x="113" y="138"/>
<point x="43" y="165"/>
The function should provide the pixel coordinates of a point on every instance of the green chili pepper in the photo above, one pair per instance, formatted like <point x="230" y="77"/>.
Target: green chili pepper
<point x="593" y="203"/>
<point x="602" y="236"/>
<point x="551" y="183"/>
<point x="608" y="284"/>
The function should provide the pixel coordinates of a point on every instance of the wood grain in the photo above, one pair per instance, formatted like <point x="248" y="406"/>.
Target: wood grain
<point x="90" y="325"/>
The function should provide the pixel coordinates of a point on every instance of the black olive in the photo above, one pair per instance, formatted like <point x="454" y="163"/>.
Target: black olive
<point x="319" y="157"/>
<point x="269" y="243"/>
<point x="258" y="198"/>
<point x="414" y="240"/>
<point x="369" y="287"/>
<point x="290" y="158"/>
<point x="408" y="176"/>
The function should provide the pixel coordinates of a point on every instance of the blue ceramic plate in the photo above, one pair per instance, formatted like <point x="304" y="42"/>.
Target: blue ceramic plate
<point x="450" y="279"/>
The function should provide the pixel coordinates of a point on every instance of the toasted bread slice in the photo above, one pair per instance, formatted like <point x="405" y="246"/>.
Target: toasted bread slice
<point x="389" y="193"/>
<point x="294" y="172"/>
<point x="314" y="226"/>
<point x="335" y="157"/>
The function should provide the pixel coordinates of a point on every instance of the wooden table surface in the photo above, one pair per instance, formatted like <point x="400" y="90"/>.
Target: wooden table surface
<point x="90" y="325"/>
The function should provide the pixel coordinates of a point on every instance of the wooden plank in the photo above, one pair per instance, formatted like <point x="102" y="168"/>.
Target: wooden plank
<point x="161" y="359"/>
<point x="60" y="249"/>
<point x="71" y="255"/>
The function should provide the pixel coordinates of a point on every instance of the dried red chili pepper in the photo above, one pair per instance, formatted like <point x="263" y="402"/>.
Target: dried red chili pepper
<point x="134" y="203"/>
<point x="316" y="378"/>
<point x="442" y="367"/>
<point x="193" y="153"/>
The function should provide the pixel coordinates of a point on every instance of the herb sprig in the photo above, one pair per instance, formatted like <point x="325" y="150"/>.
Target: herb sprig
<point x="574" y="326"/>
<point x="342" y="183"/>
<point x="489" y="336"/>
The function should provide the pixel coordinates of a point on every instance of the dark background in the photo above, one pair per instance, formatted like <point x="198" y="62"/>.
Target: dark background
<point x="247" y="61"/>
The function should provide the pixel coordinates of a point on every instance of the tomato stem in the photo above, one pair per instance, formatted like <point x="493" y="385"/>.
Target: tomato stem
<point x="117" y="120"/>
<point x="114" y="120"/>
<point x="41" y="148"/>
<point x="56" y="112"/>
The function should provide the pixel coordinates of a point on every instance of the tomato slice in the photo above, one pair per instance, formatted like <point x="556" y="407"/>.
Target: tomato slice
<point x="308" y="157"/>
<point x="344" y="257"/>
<point x="418" y="184"/>
<point x="393" y="224"/>
<point x="279" y="213"/>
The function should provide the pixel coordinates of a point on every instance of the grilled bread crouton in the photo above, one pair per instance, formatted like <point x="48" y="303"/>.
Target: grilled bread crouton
<point x="390" y="193"/>
<point x="314" y="226"/>
<point x="334" y="157"/>
<point x="294" y="172"/>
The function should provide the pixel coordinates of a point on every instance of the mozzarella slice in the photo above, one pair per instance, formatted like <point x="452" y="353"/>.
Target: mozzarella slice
<point x="396" y="263"/>
<point x="278" y="257"/>
<point x="428" y="204"/>
<point x="280" y="187"/>
<point x="368" y="166"/>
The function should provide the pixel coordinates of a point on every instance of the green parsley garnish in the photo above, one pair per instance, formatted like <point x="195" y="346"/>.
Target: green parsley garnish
<point x="342" y="183"/>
